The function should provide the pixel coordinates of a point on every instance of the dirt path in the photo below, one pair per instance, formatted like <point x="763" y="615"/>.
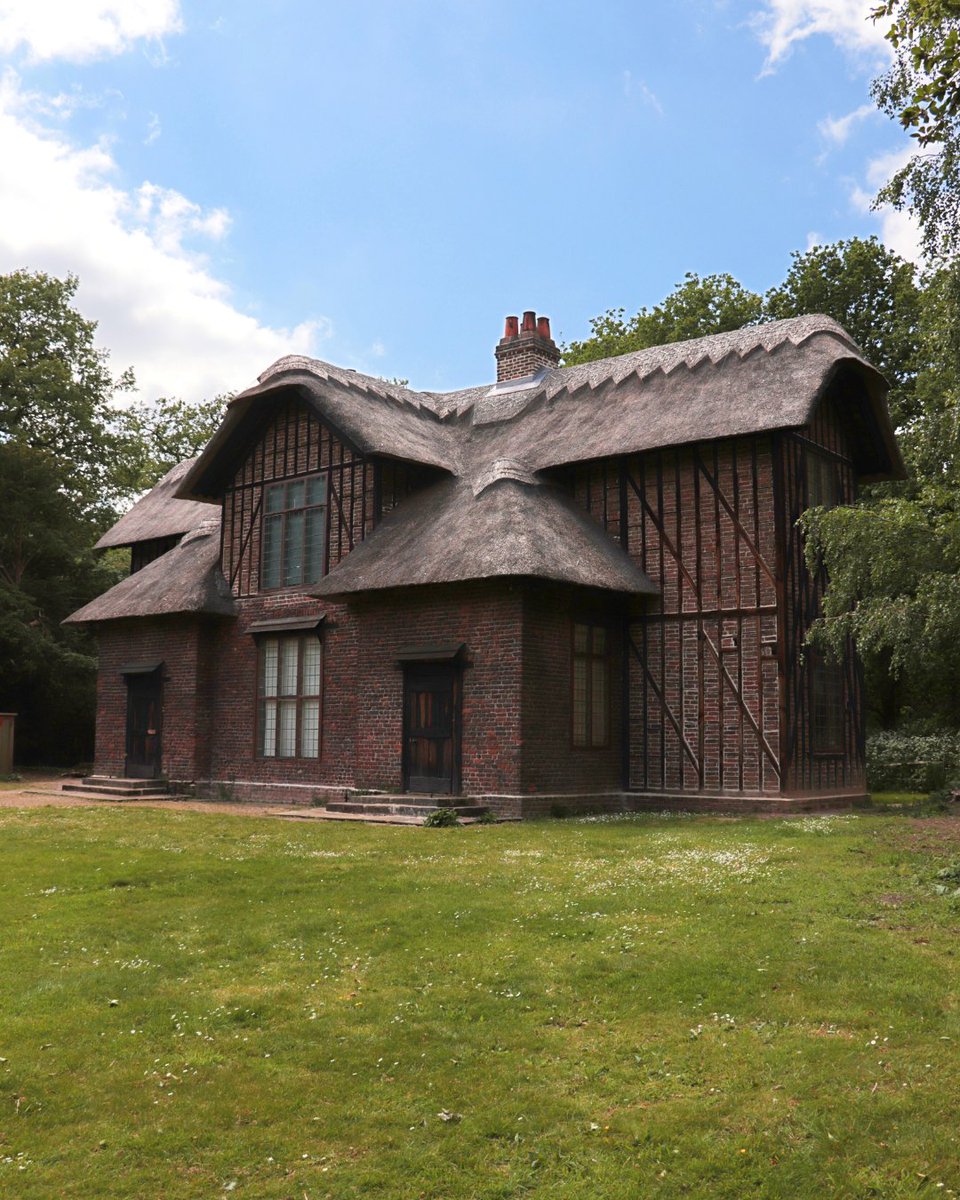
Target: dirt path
<point x="44" y="791"/>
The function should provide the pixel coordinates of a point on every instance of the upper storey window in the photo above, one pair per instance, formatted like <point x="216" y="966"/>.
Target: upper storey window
<point x="823" y="484"/>
<point x="294" y="524"/>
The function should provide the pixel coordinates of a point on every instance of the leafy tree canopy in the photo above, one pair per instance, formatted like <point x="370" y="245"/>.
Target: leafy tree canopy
<point x="922" y="91"/>
<point x="47" y="569"/>
<point x="155" y="437"/>
<point x="894" y="559"/>
<point x="696" y="307"/>
<point x="874" y="295"/>
<point x="56" y="388"/>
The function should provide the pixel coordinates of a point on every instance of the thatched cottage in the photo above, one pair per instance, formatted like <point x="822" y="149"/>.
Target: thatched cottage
<point x="580" y="586"/>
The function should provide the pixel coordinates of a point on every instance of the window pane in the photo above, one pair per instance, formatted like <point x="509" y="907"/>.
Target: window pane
<point x="273" y="501"/>
<point x="293" y="548"/>
<point x="581" y="635"/>
<point x="269" y="652"/>
<point x="288" y="666"/>
<point x="272" y="534"/>
<point x="580" y="702"/>
<point x="295" y="494"/>
<point x="311" y="667"/>
<point x="598" y="703"/>
<point x="316" y="521"/>
<point x="316" y="489"/>
<point x="310" y="729"/>
<point x="268" y="728"/>
<point x="599" y="640"/>
<point x="287" y="728"/>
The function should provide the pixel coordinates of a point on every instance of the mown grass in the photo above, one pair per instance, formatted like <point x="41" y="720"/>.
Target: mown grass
<point x="194" y="1004"/>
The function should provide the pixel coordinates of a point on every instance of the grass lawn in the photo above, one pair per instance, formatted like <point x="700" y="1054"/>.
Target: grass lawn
<point x="199" y="1005"/>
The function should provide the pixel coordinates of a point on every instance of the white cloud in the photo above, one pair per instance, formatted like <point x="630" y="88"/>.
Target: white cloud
<point x="153" y="130"/>
<point x="639" y="88"/>
<point x="159" y="305"/>
<point x="837" y="129"/>
<point x="898" y="230"/>
<point x="781" y="24"/>
<point x="82" y="30"/>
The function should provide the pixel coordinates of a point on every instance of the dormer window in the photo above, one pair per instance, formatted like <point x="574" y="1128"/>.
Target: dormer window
<point x="294" y="525"/>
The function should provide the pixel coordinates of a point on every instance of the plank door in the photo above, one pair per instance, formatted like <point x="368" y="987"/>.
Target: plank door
<point x="431" y="735"/>
<point x="144" y="711"/>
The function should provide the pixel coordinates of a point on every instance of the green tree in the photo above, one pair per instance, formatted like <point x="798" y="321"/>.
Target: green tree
<point x="152" y="438"/>
<point x="47" y="569"/>
<point x="56" y="389"/>
<point x="696" y="307"/>
<point x="873" y="293"/>
<point x="922" y="91"/>
<point x="893" y="560"/>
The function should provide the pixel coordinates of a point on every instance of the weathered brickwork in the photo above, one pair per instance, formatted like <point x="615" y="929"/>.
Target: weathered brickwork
<point x="551" y="763"/>
<point x="706" y="694"/>
<point x="719" y="695"/>
<point x="487" y="618"/>
<point x="181" y="645"/>
<point x="807" y="766"/>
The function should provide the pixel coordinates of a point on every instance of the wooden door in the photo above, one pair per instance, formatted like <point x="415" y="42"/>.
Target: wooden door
<point x="144" y="710"/>
<point x="431" y="735"/>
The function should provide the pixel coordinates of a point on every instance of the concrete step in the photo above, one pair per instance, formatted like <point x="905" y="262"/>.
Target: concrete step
<point x="304" y="813"/>
<point x="395" y="807"/>
<point x="122" y="789"/>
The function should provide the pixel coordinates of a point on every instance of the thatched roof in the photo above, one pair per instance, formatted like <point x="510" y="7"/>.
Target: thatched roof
<point x="187" y="579"/>
<point x="497" y="514"/>
<point x="452" y="532"/>
<point x="761" y="378"/>
<point x="158" y="514"/>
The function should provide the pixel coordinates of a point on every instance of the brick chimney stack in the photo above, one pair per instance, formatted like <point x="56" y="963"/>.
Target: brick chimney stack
<point x="525" y="348"/>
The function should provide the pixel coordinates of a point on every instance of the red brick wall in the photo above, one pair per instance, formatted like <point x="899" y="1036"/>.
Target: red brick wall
<point x="550" y="761"/>
<point x="704" y="688"/>
<point x="175" y="641"/>
<point x="487" y="617"/>
<point x="807" y="768"/>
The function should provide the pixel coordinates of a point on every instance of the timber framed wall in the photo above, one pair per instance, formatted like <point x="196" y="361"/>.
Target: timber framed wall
<point x="809" y="767"/>
<point x="703" y="684"/>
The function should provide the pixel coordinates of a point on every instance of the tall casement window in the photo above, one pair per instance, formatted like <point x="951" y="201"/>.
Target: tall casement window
<point x="288" y="721"/>
<point x="823" y="484"/>
<point x="294" y="521"/>
<point x="826" y="705"/>
<point x="591" y="686"/>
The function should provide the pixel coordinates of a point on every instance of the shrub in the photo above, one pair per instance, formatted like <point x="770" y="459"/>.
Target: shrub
<point x="441" y="818"/>
<point x="904" y="762"/>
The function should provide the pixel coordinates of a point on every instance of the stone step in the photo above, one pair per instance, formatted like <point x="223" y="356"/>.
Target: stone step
<point x="129" y="789"/>
<point x="393" y="807"/>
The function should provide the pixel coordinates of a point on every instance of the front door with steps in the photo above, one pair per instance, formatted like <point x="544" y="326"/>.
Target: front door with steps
<point x="144" y="711"/>
<point x="431" y="727"/>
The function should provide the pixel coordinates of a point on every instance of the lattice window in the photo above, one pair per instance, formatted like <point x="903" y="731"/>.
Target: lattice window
<point x="289" y="679"/>
<point x="591" y="686"/>
<point x="823" y="483"/>
<point x="294" y="521"/>
<point x="826" y="705"/>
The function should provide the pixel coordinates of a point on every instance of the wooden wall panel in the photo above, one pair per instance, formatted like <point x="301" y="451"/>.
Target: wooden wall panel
<point x="704" y="712"/>
<point x="809" y="768"/>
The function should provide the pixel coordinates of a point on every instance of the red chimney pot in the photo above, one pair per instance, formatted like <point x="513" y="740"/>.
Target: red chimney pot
<point x="511" y="328"/>
<point x="543" y="327"/>
<point x="529" y="322"/>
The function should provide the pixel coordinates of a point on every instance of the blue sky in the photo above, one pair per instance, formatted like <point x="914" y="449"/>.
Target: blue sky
<point x="379" y="183"/>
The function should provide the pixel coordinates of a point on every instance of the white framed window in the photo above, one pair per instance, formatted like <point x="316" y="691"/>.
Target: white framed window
<point x="289" y="679"/>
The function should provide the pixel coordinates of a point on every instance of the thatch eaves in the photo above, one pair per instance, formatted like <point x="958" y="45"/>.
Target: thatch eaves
<point x="158" y="514"/>
<point x="187" y="579"/>
<point x="370" y="416"/>
<point x="753" y="380"/>
<point x="451" y="533"/>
